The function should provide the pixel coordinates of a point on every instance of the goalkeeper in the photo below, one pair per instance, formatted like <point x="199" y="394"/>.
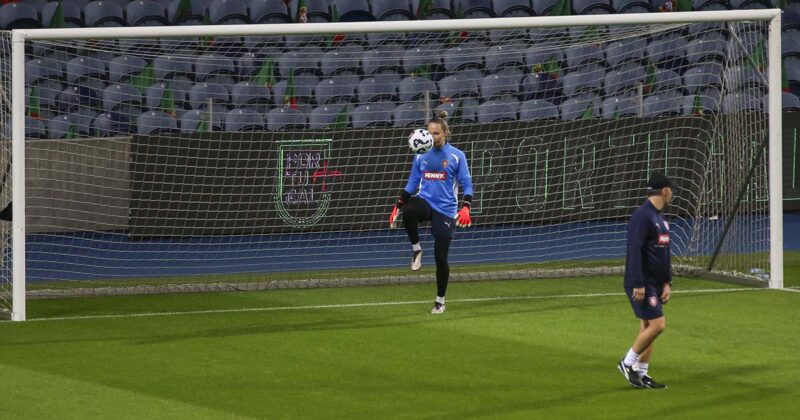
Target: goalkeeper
<point x="431" y="195"/>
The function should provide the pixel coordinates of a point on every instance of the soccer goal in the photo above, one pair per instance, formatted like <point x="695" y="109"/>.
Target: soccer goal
<point x="250" y="157"/>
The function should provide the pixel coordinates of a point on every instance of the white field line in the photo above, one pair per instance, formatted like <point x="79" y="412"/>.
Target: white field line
<point x="370" y="304"/>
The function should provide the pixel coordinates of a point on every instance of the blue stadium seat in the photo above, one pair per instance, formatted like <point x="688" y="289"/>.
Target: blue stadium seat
<point x="410" y="114"/>
<point x="193" y="121"/>
<point x="542" y="86"/>
<point x="103" y="14"/>
<point x="173" y="67"/>
<point x="709" y="5"/>
<point x="702" y="76"/>
<point x="740" y="102"/>
<point x="201" y="94"/>
<point x="624" y="79"/>
<point x="392" y="10"/>
<point x="579" y="55"/>
<point x="624" y="51"/>
<point x="380" y="60"/>
<point x="48" y="98"/>
<point x="74" y="98"/>
<point x="632" y="6"/>
<point x="790" y="46"/>
<point x="414" y="88"/>
<point x="704" y="101"/>
<point x="121" y="69"/>
<point x="542" y="7"/>
<point x="459" y="85"/>
<point x="213" y="68"/>
<point x="620" y="106"/>
<point x="303" y="91"/>
<point x="378" y="114"/>
<point x="464" y="56"/>
<point x="87" y="71"/>
<point x="584" y="80"/>
<point x="579" y="107"/>
<point x="512" y="8"/>
<point x="538" y="109"/>
<point x="146" y="13"/>
<point x="300" y="62"/>
<point x="316" y="10"/>
<point x="706" y="49"/>
<point x="335" y="90"/>
<point x="352" y="10"/>
<point x="247" y="65"/>
<point x="668" y="52"/>
<point x="65" y="125"/>
<point x="73" y="17"/>
<point x="439" y="9"/>
<point x="343" y="60"/>
<point x="193" y="16"/>
<point x="155" y="122"/>
<point x="251" y="96"/>
<point x="667" y="80"/>
<point x="742" y="77"/>
<point x="282" y="118"/>
<point x="535" y="56"/>
<point x="34" y="129"/>
<point x="496" y="86"/>
<point x="321" y="117"/>
<point x="664" y="104"/>
<point x="228" y="12"/>
<point x="269" y="11"/>
<point x="473" y="9"/>
<point x="502" y="56"/>
<point x="381" y="87"/>
<point x="378" y="39"/>
<point x="155" y="95"/>
<point x="19" y="16"/>
<point x="41" y="69"/>
<point x="751" y="4"/>
<point x="124" y="99"/>
<point x="499" y="110"/>
<point x="460" y="111"/>
<point x="790" y="102"/>
<point x="80" y="3"/>
<point x="422" y="56"/>
<point x="699" y="30"/>
<point x="589" y="7"/>
<point x="241" y="119"/>
<point x="111" y="124"/>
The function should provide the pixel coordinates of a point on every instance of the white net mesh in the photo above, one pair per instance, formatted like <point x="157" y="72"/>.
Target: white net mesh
<point x="5" y="175"/>
<point x="262" y="160"/>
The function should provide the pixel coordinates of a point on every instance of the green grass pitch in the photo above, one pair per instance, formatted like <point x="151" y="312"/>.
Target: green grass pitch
<point x="514" y="349"/>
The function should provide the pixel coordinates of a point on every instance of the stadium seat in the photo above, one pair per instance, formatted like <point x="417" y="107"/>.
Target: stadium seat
<point x="698" y="104"/>
<point x="213" y="68"/>
<point x="34" y="129"/>
<point x="579" y="107"/>
<point x="122" y="68"/>
<point x="122" y="98"/>
<point x="620" y="106"/>
<point x="74" y="98"/>
<point x="155" y="122"/>
<point x="707" y="48"/>
<point x="110" y="124"/>
<point x="495" y="86"/>
<point x="269" y="11"/>
<point x="201" y="94"/>
<point x="48" y="98"/>
<point x="392" y="10"/>
<point x="247" y="65"/>
<point x="536" y="56"/>
<point x="464" y="56"/>
<point x="321" y="117"/>
<point x="666" y="80"/>
<point x="790" y="47"/>
<point x="473" y="9"/>
<point x="87" y="71"/>
<point x="751" y="4"/>
<point x="192" y="16"/>
<point x="584" y="80"/>
<point x="378" y="114"/>
<point x="299" y="62"/>
<point x="352" y="10"/>
<point x="19" y="16"/>
<point x="458" y="86"/>
<point x="542" y="7"/>
<point x="343" y="60"/>
<point x="624" y="51"/>
<point x="228" y="12"/>
<point x="282" y="118"/>
<point x="460" y="111"/>
<point x="173" y="67"/>
<point x="512" y="8"/>
<point x="740" y="102"/>
<point x="251" y="96"/>
<point x="193" y="121"/>
<point x="790" y="102"/>
<point x="709" y="5"/>
<point x="664" y="104"/>
<point x="303" y="91"/>
<point x="103" y="14"/>
<point x="41" y="69"/>
<point x="66" y="125"/>
<point x="377" y="39"/>
<point x="73" y="17"/>
<point x="414" y="88"/>
<point x="418" y="57"/>
<point x="155" y="95"/>
<point x="146" y="13"/>
<point x="638" y="6"/>
<point x="379" y="60"/>
<point x="316" y="10"/>
<point x="381" y="87"/>
<point x="241" y="119"/>
<point x="668" y="52"/>
<point x="410" y="114"/>
<point x="335" y="90"/>
<point x="538" y="109"/>
<point x="542" y="86"/>
<point x="589" y="7"/>
<point x="624" y="79"/>
<point x="580" y="55"/>
<point x="497" y="110"/>
<point x="742" y="77"/>
<point x="702" y="76"/>
<point x="502" y="56"/>
<point x="439" y="9"/>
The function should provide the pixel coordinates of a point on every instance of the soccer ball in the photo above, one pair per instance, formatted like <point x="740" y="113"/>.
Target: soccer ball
<point x="420" y="140"/>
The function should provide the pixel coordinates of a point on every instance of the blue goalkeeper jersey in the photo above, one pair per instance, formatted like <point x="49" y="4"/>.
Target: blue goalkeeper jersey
<point x="436" y="176"/>
<point x="648" y="259"/>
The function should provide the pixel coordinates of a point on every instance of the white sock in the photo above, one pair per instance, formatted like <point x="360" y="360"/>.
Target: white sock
<point x="631" y="358"/>
<point x="440" y="299"/>
<point x="416" y="247"/>
<point x="643" y="369"/>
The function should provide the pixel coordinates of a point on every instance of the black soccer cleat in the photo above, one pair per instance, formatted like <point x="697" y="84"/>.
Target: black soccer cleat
<point x="631" y="373"/>
<point x="416" y="260"/>
<point x="650" y="383"/>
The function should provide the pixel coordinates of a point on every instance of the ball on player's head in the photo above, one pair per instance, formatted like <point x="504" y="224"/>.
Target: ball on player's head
<point x="420" y="140"/>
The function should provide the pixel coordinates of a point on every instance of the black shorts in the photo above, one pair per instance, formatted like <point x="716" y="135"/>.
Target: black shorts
<point x="648" y="308"/>
<point x="441" y="225"/>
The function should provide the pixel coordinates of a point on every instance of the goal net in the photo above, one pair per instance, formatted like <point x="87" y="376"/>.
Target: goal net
<point x="269" y="156"/>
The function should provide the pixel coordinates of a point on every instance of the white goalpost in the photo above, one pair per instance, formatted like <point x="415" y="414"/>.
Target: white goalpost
<point x="251" y="157"/>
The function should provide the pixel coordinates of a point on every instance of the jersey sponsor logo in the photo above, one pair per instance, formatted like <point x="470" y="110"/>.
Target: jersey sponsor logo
<point x="663" y="238"/>
<point x="434" y="176"/>
<point x="445" y="163"/>
<point x="653" y="301"/>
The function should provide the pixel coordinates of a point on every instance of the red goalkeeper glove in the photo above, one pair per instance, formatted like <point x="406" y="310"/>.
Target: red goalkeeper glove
<point x="393" y="218"/>
<point x="462" y="217"/>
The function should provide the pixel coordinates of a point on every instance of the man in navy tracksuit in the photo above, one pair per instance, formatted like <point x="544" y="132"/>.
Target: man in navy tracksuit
<point x="648" y="278"/>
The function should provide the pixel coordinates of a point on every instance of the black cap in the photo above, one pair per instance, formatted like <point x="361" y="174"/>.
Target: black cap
<point x="657" y="182"/>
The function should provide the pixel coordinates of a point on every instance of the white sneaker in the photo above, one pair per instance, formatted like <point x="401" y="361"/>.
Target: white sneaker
<point x="437" y="308"/>
<point x="416" y="260"/>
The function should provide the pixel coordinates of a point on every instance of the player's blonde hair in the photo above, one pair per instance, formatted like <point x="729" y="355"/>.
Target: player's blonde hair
<point x="440" y="119"/>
